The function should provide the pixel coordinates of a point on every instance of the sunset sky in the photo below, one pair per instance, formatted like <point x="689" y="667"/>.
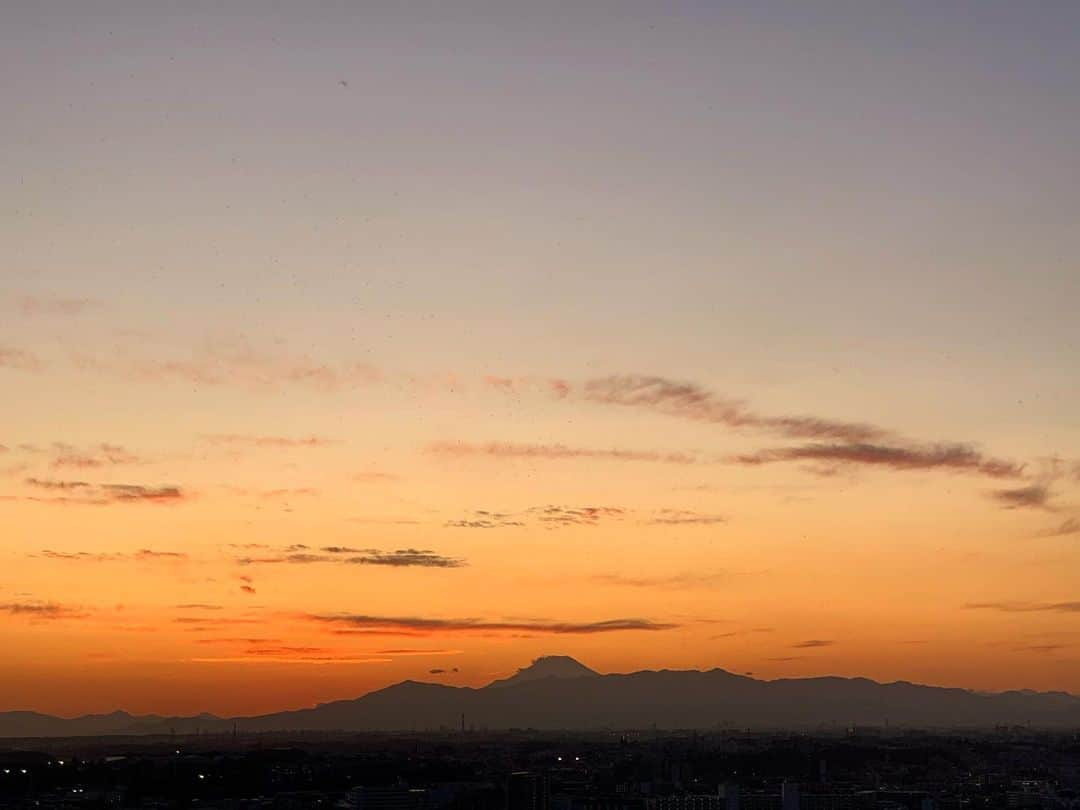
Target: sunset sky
<point x="349" y="342"/>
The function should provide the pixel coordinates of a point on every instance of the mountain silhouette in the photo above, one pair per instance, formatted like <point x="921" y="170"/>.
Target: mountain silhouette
<point x="548" y="666"/>
<point x="557" y="692"/>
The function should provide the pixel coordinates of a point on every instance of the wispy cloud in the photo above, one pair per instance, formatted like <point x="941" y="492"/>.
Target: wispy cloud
<point x="35" y="305"/>
<point x="1026" y="607"/>
<point x="63" y="455"/>
<point x="1045" y="649"/>
<point x="549" y="452"/>
<point x="833" y="442"/>
<point x="401" y="558"/>
<point x="40" y="610"/>
<point x="203" y="624"/>
<point x="63" y="486"/>
<point x="280" y="442"/>
<point x="575" y="515"/>
<point x="812" y="643"/>
<point x="485" y="519"/>
<point x="1031" y="497"/>
<point x="374" y="477"/>
<point x="140" y="493"/>
<point x="691" y="401"/>
<point x="675" y="581"/>
<point x="683" y="517"/>
<point x="1068" y="527"/>
<point x="94" y="457"/>
<point x="410" y="625"/>
<point x="406" y="558"/>
<point x="949" y="457"/>
<point x="736" y="633"/>
<point x="287" y="654"/>
<point x="553" y="516"/>
<point x="142" y="555"/>
<point x="81" y="493"/>
<point x="229" y="362"/>
<point x="294" y="492"/>
<point x="18" y="359"/>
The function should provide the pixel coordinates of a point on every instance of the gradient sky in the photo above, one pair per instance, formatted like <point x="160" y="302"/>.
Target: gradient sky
<point x="342" y="343"/>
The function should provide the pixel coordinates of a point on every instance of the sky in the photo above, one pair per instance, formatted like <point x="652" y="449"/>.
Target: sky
<point x="343" y="343"/>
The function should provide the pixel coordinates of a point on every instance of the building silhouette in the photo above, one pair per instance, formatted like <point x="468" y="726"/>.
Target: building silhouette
<point x="526" y="790"/>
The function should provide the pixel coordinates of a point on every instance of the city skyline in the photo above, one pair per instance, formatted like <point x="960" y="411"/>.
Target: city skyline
<point x="343" y="344"/>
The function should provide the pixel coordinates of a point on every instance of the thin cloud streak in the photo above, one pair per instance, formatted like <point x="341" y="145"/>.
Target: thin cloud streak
<point x="40" y="610"/>
<point x="1026" y="607"/>
<point x="241" y="440"/>
<point x="554" y="516"/>
<point x="411" y="625"/>
<point x="401" y="558"/>
<point x="375" y="477"/>
<point x="230" y="362"/>
<point x="18" y="359"/>
<point x="949" y="457"/>
<point x="102" y="455"/>
<point x="292" y="659"/>
<point x="63" y="486"/>
<point x="1032" y="497"/>
<point x="836" y="442"/>
<point x="1068" y="527"/>
<point x="674" y="581"/>
<point x="682" y="517"/>
<point x="35" y="305"/>
<point x="142" y="555"/>
<point x="80" y="493"/>
<point x="550" y="516"/>
<point x="694" y="402"/>
<point x="551" y="452"/>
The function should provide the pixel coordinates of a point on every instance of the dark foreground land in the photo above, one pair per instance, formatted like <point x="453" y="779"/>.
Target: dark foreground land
<point x="528" y="770"/>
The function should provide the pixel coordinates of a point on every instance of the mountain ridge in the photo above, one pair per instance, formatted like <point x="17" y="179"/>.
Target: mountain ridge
<point x="558" y="692"/>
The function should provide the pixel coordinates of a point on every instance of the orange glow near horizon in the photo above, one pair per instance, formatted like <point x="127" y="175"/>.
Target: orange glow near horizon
<point x="349" y="345"/>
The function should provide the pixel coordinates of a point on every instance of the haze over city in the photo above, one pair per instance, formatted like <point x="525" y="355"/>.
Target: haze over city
<point x="349" y="343"/>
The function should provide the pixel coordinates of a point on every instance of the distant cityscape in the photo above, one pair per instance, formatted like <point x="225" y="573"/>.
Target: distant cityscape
<point x="533" y="770"/>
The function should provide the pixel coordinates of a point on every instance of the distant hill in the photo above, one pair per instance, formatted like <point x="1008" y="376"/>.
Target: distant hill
<point x="557" y="692"/>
